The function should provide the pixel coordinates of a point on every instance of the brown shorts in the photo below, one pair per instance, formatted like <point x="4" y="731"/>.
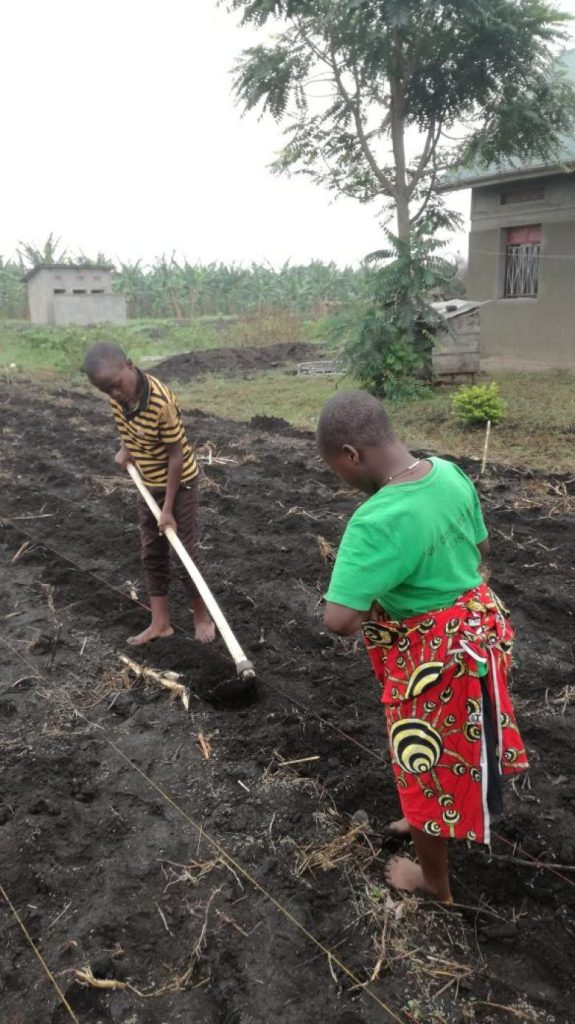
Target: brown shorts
<point x="158" y="556"/>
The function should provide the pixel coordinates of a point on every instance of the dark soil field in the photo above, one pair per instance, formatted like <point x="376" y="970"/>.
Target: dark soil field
<point x="235" y="362"/>
<point x="237" y="888"/>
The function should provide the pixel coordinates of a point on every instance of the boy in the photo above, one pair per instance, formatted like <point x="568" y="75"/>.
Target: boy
<point x="408" y="574"/>
<point x="149" y="421"/>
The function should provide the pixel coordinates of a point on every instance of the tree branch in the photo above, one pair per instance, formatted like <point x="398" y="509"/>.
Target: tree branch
<point x="432" y="187"/>
<point x="431" y="141"/>
<point x="354" y="108"/>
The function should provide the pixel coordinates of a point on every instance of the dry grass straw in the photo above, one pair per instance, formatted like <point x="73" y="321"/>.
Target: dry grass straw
<point x="550" y="497"/>
<point x="284" y="775"/>
<point x="565" y="698"/>
<point x="22" y="550"/>
<point x="85" y="977"/>
<point x="209" y="454"/>
<point x="351" y="850"/>
<point x="111" y="683"/>
<point x="298" y="510"/>
<point x="169" y="680"/>
<point x="132" y="589"/>
<point x="313" y="596"/>
<point x="326" y="550"/>
<point x="204" y="745"/>
<point x="195" y="871"/>
<point x="421" y="942"/>
<point x="111" y="484"/>
<point x="208" y="485"/>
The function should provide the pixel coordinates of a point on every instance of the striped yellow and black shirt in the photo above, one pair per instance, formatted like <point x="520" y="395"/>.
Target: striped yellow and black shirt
<point x="146" y="430"/>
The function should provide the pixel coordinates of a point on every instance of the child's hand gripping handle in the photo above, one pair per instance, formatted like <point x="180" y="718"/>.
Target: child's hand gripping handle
<point x="244" y="667"/>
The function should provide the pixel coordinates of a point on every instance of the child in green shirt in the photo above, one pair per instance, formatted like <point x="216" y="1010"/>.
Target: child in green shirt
<point x="408" y="575"/>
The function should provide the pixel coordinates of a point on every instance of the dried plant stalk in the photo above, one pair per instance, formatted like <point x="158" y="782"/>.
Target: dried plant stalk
<point x="204" y="745"/>
<point x="169" y="680"/>
<point x="326" y="550"/>
<point x="87" y="978"/>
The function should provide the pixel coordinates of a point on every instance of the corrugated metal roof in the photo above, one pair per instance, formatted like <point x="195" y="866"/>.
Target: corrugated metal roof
<point x="455" y="307"/>
<point x="508" y="170"/>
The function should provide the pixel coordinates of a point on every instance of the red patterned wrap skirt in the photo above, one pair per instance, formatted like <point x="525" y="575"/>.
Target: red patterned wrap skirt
<point x="450" y="718"/>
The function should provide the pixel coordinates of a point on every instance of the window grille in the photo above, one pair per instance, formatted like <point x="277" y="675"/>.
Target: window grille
<point x="522" y="258"/>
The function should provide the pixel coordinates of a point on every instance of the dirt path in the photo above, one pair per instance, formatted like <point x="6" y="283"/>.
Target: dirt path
<point x="105" y="871"/>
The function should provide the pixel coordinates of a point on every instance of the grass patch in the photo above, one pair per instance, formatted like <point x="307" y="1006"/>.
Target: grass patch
<point x="39" y="348"/>
<point x="538" y="432"/>
<point x="36" y="348"/>
<point x="272" y="393"/>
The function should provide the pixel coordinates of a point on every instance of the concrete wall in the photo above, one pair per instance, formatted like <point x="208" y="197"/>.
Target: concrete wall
<point x="50" y="285"/>
<point x="88" y="309"/>
<point x="537" y="330"/>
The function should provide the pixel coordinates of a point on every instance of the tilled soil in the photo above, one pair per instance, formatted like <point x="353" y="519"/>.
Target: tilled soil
<point x="116" y="829"/>
<point x="240" y="362"/>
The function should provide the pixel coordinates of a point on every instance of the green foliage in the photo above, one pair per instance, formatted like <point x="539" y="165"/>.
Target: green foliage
<point x="39" y="347"/>
<point x="62" y="348"/>
<point x="33" y="256"/>
<point x="172" y="288"/>
<point x="34" y="347"/>
<point x="477" y="405"/>
<point x="354" y="80"/>
<point x="177" y="289"/>
<point x="13" y="304"/>
<point x="387" y="346"/>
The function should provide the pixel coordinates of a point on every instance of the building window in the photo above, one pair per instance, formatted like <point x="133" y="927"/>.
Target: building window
<point x="59" y="291"/>
<point x="523" y="195"/>
<point x="522" y="256"/>
<point x="97" y="291"/>
<point x="79" y="291"/>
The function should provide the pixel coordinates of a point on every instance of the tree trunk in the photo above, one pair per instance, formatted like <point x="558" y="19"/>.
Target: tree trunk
<point x="398" y="143"/>
<point x="402" y="214"/>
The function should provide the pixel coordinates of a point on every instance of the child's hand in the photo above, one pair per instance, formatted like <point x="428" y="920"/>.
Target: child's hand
<point x="167" y="520"/>
<point x="122" y="457"/>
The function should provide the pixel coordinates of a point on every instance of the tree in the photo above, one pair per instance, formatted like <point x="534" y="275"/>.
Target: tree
<point x="371" y="91"/>
<point x="29" y="253"/>
<point x="389" y="331"/>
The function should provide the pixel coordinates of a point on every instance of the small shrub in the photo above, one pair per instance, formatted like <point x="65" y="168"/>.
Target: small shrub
<point x="476" y="405"/>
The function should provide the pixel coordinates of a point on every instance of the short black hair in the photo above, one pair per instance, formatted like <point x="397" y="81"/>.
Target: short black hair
<point x="102" y="356"/>
<point x="353" y="417"/>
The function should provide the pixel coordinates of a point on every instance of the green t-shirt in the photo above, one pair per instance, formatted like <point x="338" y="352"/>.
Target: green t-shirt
<point x="412" y="547"/>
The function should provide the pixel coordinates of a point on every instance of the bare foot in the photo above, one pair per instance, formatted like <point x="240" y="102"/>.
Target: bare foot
<point x="151" y="633"/>
<point x="399" y="828"/>
<point x="205" y="631"/>
<point x="402" y="873"/>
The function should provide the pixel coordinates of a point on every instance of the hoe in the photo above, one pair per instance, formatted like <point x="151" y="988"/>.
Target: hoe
<point x="244" y="667"/>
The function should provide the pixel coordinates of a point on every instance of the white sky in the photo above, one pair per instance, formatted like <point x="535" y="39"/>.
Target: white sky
<point x="120" y="134"/>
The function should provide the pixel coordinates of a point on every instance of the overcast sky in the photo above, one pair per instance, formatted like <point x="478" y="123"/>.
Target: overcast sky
<point x="120" y="135"/>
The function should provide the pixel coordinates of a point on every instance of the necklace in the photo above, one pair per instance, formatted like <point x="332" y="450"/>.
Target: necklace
<point x="403" y="471"/>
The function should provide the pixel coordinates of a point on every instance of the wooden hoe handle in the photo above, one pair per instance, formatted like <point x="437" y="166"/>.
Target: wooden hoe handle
<point x="244" y="667"/>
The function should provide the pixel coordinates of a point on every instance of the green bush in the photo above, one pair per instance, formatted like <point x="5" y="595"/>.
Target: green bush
<point x="389" y="332"/>
<point x="476" y="405"/>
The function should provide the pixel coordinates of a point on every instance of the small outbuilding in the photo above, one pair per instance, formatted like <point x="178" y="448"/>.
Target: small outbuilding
<point x="63" y="293"/>
<point x="456" y="353"/>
